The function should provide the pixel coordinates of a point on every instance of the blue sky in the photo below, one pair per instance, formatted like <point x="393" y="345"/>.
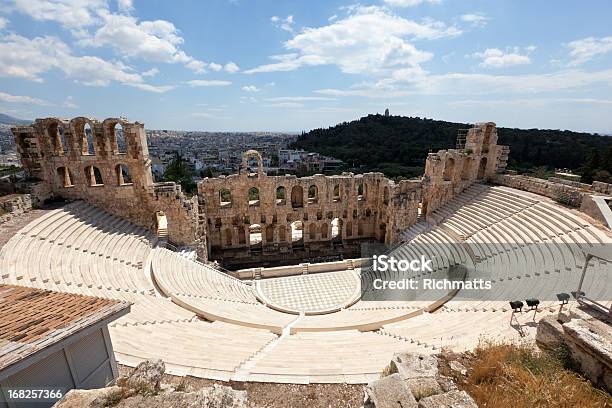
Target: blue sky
<point x="297" y="65"/>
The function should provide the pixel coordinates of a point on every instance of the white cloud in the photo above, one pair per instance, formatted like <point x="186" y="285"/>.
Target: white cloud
<point x="17" y="54"/>
<point x="155" y="41"/>
<point x="332" y="18"/>
<point x="201" y="115"/>
<point x="299" y="99"/>
<point x="250" y="88"/>
<point x="125" y="6"/>
<point x="369" y="40"/>
<point x="215" y="67"/>
<point x="586" y="49"/>
<point x="69" y="103"/>
<point x="496" y="58"/>
<point x="72" y="14"/>
<point x="283" y="23"/>
<point x="291" y="105"/>
<point x="410" y="3"/>
<point x="3" y="22"/>
<point x="22" y="99"/>
<point x="208" y="82"/>
<point x="151" y="73"/>
<point x="474" y="84"/>
<point x="231" y="67"/>
<point x="475" y="19"/>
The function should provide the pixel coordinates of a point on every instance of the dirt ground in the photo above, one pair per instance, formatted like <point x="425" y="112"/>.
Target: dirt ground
<point x="9" y="228"/>
<point x="273" y="395"/>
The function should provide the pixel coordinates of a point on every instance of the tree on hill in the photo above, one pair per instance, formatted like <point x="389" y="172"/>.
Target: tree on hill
<point x="398" y="146"/>
<point x="179" y="172"/>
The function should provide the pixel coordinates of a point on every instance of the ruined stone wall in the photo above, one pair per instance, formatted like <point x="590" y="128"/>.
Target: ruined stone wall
<point x="449" y="172"/>
<point x="561" y="193"/>
<point x="13" y="205"/>
<point x="367" y="207"/>
<point x="105" y="167"/>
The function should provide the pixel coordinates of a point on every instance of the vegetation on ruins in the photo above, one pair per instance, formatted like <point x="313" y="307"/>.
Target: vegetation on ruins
<point x="398" y="146"/>
<point x="518" y="375"/>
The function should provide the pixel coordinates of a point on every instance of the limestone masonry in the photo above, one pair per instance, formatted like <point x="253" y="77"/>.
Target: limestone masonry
<point x="106" y="163"/>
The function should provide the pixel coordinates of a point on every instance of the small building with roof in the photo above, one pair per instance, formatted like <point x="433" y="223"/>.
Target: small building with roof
<point x="52" y="342"/>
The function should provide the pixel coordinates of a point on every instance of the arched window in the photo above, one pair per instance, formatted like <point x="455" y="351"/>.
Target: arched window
<point x="253" y="196"/>
<point x="93" y="176"/>
<point x="228" y="236"/>
<point x="297" y="197"/>
<point x="297" y="231"/>
<point x="269" y="234"/>
<point x="313" y="194"/>
<point x="336" y="228"/>
<point x="280" y="195"/>
<point x="361" y="190"/>
<point x="56" y="133"/>
<point x="123" y="175"/>
<point x="386" y="195"/>
<point x="255" y="234"/>
<point x="349" y="229"/>
<point x="282" y="235"/>
<point x="119" y="138"/>
<point x="225" y="198"/>
<point x="336" y="192"/>
<point x="241" y="236"/>
<point x="324" y="228"/>
<point x="312" y="231"/>
<point x="482" y="169"/>
<point x="359" y="229"/>
<point x="449" y="169"/>
<point x="65" y="178"/>
<point x="88" y="140"/>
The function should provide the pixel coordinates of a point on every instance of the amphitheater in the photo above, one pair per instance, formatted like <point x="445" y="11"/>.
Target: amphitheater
<point x="298" y="321"/>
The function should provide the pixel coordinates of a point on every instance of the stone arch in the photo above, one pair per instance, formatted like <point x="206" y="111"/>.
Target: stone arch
<point x="56" y="132"/>
<point x="336" y="230"/>
<point x="297" y="197"/>
<point x="241" y="236"/>
<point x="361" y="190"/>
<point x="84" y="132"/>
<point x="124" y="178"/>
<point x="114" y="130"/>
<point x="297" y="232"/>
<point x="282" y="233"/>
<point x="93" y="176"/>
<point x="225" y="198"/>
<point x="313" y="194"/>
<point x="312" y="231"/>
<point x="65" y="177"/>
<point x="449" y="169"/>
<point x="269" y="234"/>
<point x="255" y="235"/>
<point x="482" y="168"/>
<point x="252" y="154"/>
<point x="324" y="229"/>
<point x="336" y="194"/>
<point x="281" y="195"/>
<point x="228" y="237"/>
<point x="253" y="198"/>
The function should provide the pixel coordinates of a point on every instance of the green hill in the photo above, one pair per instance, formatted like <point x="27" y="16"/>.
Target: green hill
<point x="398" y="145"/>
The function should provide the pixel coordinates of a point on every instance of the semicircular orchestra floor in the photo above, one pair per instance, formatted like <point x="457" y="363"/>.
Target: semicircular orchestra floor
<point x="310" y="294"/>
